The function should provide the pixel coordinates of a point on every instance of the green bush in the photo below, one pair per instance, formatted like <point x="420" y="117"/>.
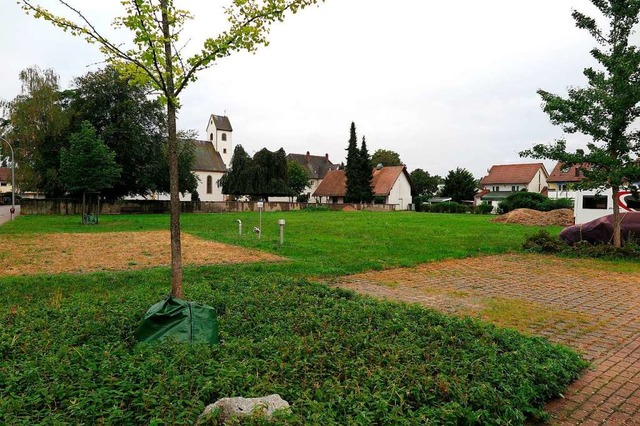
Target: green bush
<point x="446" y="207"/>
<point x="543" y="242"/>
<point x="484" y="208"/>
<point x="534" y="201"/>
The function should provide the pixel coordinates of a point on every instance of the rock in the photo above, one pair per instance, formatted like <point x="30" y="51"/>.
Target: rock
<point x="243" y="407"/>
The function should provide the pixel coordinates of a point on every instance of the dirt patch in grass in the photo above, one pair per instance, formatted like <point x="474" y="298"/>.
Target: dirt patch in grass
<point x="74" y="253"/>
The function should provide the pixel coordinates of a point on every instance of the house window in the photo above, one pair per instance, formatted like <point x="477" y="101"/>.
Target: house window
<point x="224" y="137"/>
<point x="562" y="187"/>
<point x="209" y="184"/>
<point x="515" y="188"/>
<point x="496" y="188"/>
<point x="595" y="202"/>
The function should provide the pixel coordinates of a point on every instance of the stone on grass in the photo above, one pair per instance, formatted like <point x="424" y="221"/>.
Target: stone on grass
<point x="243" y="407"/>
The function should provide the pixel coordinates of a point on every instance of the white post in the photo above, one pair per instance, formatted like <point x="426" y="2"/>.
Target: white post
<point x="260" y="207"/>
<point x="239" y="227"/>
<point x="281" y="223"/>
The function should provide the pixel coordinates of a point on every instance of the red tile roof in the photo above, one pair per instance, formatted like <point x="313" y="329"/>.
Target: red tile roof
<point x="512" y="173"/>
<point x="562" y="174"/>
<point x="334" y="183"/>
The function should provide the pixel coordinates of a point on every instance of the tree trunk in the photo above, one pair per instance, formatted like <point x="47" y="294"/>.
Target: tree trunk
<point x="174" y="190"/>
<point x="617" y="219"/>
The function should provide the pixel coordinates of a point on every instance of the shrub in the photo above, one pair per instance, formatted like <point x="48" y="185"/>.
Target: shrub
<point x="484" y="208"/>
<point x="534" y="201"/>
<point x="522" y="200"/>
<point x="543" y="242"/>
<point x="446" y="207"/>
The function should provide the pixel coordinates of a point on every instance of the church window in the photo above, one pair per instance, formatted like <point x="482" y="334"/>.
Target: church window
<point x="224" y="137"/>
<point x="224" y="150"/>
<point x="209" y="185"/>
<point x="211" y="136"/>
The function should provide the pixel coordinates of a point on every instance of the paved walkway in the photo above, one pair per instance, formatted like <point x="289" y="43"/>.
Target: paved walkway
<point x="5" y="214"/>
<point x="578" y="303"/>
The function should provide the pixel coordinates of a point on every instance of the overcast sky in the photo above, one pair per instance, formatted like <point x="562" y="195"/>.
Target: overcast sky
<point x="445" y="84"/>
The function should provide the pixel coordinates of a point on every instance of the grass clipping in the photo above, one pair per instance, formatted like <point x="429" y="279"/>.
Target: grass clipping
<point x="561" y="217"/>
<point x="30" y="254"/>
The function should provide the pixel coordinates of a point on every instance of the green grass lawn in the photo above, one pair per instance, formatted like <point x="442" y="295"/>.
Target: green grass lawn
<point x="67" y="353"/>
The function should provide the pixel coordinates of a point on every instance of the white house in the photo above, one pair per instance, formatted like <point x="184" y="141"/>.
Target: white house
<point x="393" y="184"/>
<point x="503" y="180"/>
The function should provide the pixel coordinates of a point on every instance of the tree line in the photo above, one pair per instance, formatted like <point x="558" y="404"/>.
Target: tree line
<point x="105" y="113"/>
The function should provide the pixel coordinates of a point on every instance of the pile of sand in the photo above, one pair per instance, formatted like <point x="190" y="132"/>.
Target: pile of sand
<point x="562" y="217"/>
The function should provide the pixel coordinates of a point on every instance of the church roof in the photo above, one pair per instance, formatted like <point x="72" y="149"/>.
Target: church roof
<point x="316" y="165"/>
<point x="206" y="158"/>
<point x="222" y="122"/>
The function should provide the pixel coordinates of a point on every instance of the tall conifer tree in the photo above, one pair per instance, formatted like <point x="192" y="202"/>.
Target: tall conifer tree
<point x="366" y="173"/>
<point x="353" y="169"/>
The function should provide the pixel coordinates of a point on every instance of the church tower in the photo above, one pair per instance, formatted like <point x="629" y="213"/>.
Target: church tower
<point x="219" y="133"/>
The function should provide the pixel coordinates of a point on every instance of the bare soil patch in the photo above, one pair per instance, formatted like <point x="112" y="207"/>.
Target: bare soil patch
<point x="561" y="217"/>
<point x="29" y="254"/>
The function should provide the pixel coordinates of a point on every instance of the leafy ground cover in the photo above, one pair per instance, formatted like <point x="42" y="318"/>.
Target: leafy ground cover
<point x="67" y="353"/>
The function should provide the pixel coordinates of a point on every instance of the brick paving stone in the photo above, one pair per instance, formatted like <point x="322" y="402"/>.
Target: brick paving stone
<point x="591" y="309"/>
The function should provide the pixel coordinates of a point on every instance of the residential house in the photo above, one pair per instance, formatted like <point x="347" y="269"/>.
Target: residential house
<point x="562" y="180"/>
<point x="316" y="166"/>
<point x="393" y="184"/>
<point x="505" y="179"/>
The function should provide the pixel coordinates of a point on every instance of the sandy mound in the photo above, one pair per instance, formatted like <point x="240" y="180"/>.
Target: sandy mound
<point x="562" y="217"/>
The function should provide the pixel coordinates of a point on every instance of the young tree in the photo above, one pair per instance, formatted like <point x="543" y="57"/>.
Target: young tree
<point x="460" y="185"/>
<point x="299" y="179"/>
<point x="87" y="165"/>
<point x="386" y="158"/>
<point x="352" y="169"/>
<point x="604" y="110"/>
<point x="156" y="57"/>
<point x="366" y="173"/>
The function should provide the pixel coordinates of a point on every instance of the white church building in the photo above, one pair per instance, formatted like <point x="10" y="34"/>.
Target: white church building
<point x="211" y="159"/>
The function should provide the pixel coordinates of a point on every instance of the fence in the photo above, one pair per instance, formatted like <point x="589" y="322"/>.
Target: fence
<point x="72" y="206"/>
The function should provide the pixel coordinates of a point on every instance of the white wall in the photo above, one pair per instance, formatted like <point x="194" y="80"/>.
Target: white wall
<point x="400" y="193"/>
<point x="538" y="182"/>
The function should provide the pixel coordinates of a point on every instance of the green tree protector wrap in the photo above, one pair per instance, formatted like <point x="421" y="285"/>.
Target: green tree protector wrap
<point x="182" y="321"/>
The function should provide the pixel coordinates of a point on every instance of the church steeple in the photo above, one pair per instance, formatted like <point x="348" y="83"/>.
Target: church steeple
<point x="219" y="133"/>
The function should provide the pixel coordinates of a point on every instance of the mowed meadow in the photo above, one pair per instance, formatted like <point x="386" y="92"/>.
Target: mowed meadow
<point x="68" y="356"/>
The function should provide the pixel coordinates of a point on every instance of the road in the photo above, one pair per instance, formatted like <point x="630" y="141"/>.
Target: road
<point x="5" y="214"/>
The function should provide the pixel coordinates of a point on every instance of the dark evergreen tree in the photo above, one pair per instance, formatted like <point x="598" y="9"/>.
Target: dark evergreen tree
<point x="353" y="169"/>
<point x="366" y="174"/>
<point x="264" y="175"/>
<point x="459" y="185"/>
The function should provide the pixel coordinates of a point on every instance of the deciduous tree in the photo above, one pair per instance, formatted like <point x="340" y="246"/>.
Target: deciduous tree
<point x="605" y="109"/>
<point x="386" y="158"/>
<point x="156" y="56"/>
<point x="298" y="178"/>
<point x="425" y="184"/>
